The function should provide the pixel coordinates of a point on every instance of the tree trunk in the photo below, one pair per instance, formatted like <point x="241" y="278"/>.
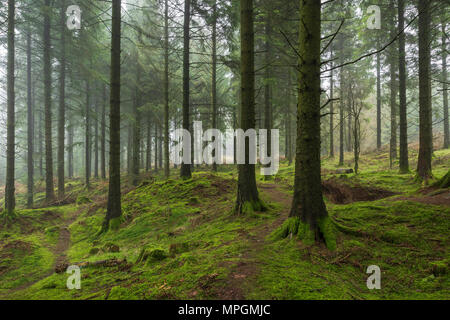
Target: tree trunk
<point x="247" y="194"/>
<point x="393" y="92"/>
<point x="49" y="188"/>
<point x="30" y="125"/>
<point x="341" y="103"/>
<point x="268" y="86"/>
<point x="404" y="162"/>
<point x="70" y="133"/>
<point x="378" y="101"/>
<point x="103" y="137"/>
<point x="148" y="166"/>
<point x="445" y="87"/>
<point x="214" y="75"/>
<point x="308" y="208"/>
<point x="156" y="147"/>
<point x="166" y="92"/>
<point x="10" y="201"/>
<point x="62" y="106"/>
<point x="87" y="142"/>
<point x="331" y="110"/>
<point x="425" y="126"/>
<point x="136" y="128"/>
<point x="114" y="208"/>
<point x="185" y="167"/>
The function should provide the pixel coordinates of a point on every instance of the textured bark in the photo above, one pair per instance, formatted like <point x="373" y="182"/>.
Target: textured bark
<point x="87" y="142"/>
<point x="185" y="171"/>
<point x="49" y="187"/>
<point x="166" y="91"/>
<point x="156" y="147"/>
<point x="103" y="137"/>
<point x="247" y="193"/>
<point x="393" y="91"/>
<point x="331" y="110"/>
<point x="114" y="208"/>
<point x="425" y="126"/>
<point x="62" y="105"/>
<point x="96" y="153"/>
<point x="30" y="127"/>
<point x="214" y="74"/>
<point x="404" y="162"/>
<point x="445" y="87"/>
<point x="148" y="166"/>
<point x="70" y="136"/>
<point x="136" y="147"/>
<point x="378" y="101"/>
<point x="268" y="118"/>
<point x="10" y="201"/>
<point x="307" y="203"/>
<point x="341" y="103"/>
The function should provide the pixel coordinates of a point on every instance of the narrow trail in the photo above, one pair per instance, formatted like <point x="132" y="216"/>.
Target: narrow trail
<point x="59" y="251"/>
<point x="248" y="267"/>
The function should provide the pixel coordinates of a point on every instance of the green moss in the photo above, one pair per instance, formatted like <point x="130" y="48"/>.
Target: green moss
<point x="328" y="233"/>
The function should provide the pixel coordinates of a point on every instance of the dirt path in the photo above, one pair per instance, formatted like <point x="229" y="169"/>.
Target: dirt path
<point x="248" y="267"/>
<point x="59" y="251"/>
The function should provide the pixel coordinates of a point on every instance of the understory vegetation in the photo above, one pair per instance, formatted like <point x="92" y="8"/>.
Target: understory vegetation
<point x="179" y="239"/>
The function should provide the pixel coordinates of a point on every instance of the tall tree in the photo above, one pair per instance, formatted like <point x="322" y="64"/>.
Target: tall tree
<point x="166" y="93"/>
<point x="445" y="86"/>
<point x="214" y="74"/>
<point x="30" y="126"/>
<point x="425" y="127"/>
<point x="103" y="137"/>
<point x="185" y="167"/>
<point x="10" y="201"/>
<point x="247" y="193"/>
<point x="404" y="162"/>
<point x="87" y="142"/>
<point x="136" y="127"/>
<point x="393" y="87"/>
<point x="62" y="106"/>
<point x="114" y="207"/>
<point x="308" y="206"/>
<point x="49" y="188"/>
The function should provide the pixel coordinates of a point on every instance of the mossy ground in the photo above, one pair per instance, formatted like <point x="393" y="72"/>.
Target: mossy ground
<point x="196" y="248"/>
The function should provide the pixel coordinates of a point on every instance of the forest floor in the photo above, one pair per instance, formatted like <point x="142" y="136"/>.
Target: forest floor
<point x="180" y="240"/>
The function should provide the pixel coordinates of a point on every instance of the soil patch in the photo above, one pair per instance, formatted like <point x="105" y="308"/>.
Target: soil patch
<point x="339" y="192"/>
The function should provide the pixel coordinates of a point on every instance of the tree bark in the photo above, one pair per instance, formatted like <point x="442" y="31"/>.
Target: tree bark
<point x="10" y="201"/>
<point x="185" y="171"/>
<point x="404" y="162"/>
<point x="308" y="206"/>
<point x="247" y="199"/>
<point x="62" y="106"/>
<point x="214" y="75"/>
<point x="103" y="137"/>
<point x="114" y="208"/>
<point x="136" y="128"/>
<point x="393" y="92"/>
<point x="30" y="125"/>
<point x="49" y="187"/>
<point x="378" y="101"/>
<point x="424" y="171"/>
<point x="87" y="142"/>
<point x="166" y="92"/>
<point x="331" y="110"/>
<point x="445" y="87"/>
